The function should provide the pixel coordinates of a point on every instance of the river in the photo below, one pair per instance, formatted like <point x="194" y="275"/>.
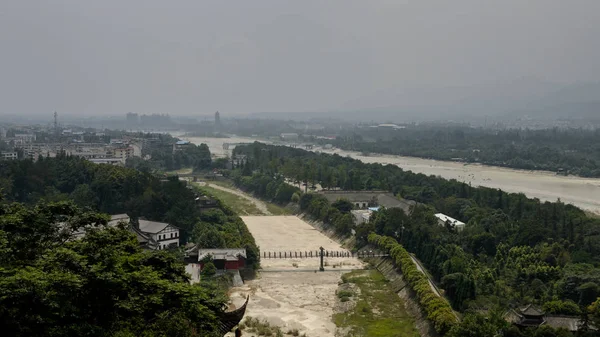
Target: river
<point x="547" y="186"/>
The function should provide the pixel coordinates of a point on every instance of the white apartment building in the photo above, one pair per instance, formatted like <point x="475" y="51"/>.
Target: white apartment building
<point x="123" y="153"/>
<point x="8" y="156"/>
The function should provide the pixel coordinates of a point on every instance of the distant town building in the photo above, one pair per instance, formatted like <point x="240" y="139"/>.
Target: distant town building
<point x="109" y="161"/>
<point x="132" y="120"/>
<point x="289" y="136"/>
<point x="444" y="220"/>
<point x="8" y="156"/>
<point x="180" y="145"/>
<point x="217" y="121"/>
<point x="24" y="138"/>
<point x="123" y="153"/>
<point x="389" y="126"/>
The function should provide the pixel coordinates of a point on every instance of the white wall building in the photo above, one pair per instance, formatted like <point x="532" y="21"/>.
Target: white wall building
<point x="289" y="136"/>
<point x="8" y="156"/>
<point x="123" y="153"/>
<point x="443" y="219"/>
<point x="24" y="138"/>
<point x="361" y="215"/>
<point x="166" y="235"/>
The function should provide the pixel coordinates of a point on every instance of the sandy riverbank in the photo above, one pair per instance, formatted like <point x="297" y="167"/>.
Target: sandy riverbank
<point x="546" y="186"/>
<point x="288" y="296"/>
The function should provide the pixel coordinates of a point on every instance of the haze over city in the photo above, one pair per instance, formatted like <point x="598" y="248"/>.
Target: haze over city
<point x="396" y="57"/>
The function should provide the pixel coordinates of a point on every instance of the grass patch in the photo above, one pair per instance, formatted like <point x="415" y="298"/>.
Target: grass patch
<point x="187" y="170"/>
<point x="277" y="210"/>
<point x="239" y="205"/>
<point x="379" y="312"/>
<point x="223" y="183"/>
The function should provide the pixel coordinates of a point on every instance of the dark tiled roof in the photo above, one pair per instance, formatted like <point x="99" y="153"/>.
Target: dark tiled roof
<point x="530" y="310"/>
<point x="381" y="198"/>
<point x="152" y="227"/>
<point x="568" y="322"/>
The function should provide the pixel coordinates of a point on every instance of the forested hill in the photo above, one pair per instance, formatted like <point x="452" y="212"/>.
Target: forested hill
<point x="101" y="285"/>
<point x="114" y="190"/>
<point x="104" y="284"/>
<point x="573" y="151"/>
<point x="514" y="250"/>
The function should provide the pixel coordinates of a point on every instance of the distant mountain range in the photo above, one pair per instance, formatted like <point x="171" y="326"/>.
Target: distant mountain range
<point x="498" y="101"/>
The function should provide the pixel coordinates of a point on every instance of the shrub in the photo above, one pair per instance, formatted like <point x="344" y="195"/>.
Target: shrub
<point x="437" y="309"/>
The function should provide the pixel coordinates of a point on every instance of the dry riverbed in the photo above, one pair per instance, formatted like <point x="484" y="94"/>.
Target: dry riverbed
<point x="291" y="293"/>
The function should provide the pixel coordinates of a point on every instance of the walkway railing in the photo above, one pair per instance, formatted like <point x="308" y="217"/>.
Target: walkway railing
<point x="316" y="254"/>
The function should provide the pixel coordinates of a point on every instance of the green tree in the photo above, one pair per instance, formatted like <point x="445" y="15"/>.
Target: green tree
<point x="343" y="205"/>
<point x="474" y="325"/>
<point x="84" y="196"/>
<point x="100" y="285"/>
<point x="594" y="312"/>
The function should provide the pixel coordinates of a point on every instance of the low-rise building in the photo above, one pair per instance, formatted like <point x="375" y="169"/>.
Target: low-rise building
<point x="366" y="199"/>
<point x="123" y="153"/>
<point x="8" y="156"/>
<point x="109" y="161"/>
<point x="24" y="138"/>
<point x="180" y="145"/>
<point x="289" y="136"/>
<point x="444" y="220"/>
<point x="361" y="215"/>
<point x="164" y="234"/>
<point x="224" y="258"/>
<point x="531" y="317"/>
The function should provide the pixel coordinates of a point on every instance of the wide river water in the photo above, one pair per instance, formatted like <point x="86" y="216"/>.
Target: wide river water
<point x="582" y="192"/>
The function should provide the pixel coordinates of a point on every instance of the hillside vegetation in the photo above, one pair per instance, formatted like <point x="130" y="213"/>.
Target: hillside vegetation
<point x="514" y="250"/>
<point x="572" y="151"/>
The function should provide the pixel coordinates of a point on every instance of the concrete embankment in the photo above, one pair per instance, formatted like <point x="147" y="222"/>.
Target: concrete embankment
<point x="400" y="286"/>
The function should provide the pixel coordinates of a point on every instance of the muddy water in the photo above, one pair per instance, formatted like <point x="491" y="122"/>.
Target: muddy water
<point x="546" y="186"/>
<point x="290" y="293"/>
<point x="582" y="192"/>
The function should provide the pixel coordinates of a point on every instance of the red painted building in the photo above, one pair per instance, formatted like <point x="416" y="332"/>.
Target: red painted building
<point x="225" y="258"/>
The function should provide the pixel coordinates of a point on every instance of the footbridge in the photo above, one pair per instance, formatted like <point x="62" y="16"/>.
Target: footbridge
<point x="321" y="254"/>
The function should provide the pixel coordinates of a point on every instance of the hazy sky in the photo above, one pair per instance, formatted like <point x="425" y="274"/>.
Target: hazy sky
<point x="195" y="57"/>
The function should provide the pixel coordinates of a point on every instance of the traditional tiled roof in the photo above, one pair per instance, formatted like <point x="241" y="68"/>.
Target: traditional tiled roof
<point x="144" y="239"/>
<point x="151" y="227"/>
<point x="227" y="254"/>
<point x="530" y="310"/>
<point x="381" y="198"/>
<point x="570" y="323"/>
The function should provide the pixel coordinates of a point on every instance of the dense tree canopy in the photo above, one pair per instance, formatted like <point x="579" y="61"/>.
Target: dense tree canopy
<point x="115" y="190"/>
<point x="100" y="285"/>
<point x="513" y="251"/>
<point x="575" y="151"/>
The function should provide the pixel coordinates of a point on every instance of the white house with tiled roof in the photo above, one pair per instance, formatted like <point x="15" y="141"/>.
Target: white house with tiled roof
<point x="164" y="234"/>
